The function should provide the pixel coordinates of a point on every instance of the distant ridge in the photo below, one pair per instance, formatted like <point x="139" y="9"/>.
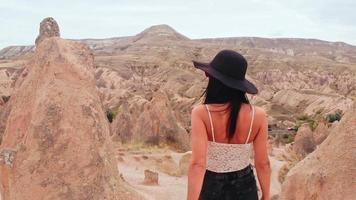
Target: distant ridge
<point x="160" y="34"/>
<point x="274" y="41"/>
<point x="15" y="51"/>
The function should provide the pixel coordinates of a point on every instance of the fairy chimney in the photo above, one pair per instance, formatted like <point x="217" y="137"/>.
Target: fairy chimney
<point x="48" y="28"/>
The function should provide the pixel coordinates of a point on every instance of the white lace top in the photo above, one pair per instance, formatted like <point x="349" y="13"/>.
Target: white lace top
<point x="223" y="157"/>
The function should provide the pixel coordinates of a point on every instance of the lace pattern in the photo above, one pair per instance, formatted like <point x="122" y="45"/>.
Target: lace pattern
<point x="227" y="157"/>
<point x="223" y="157"/>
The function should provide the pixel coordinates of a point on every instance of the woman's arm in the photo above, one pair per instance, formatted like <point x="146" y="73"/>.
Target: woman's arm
<point x="198" y="160"/>
<point x="262" y="163"/>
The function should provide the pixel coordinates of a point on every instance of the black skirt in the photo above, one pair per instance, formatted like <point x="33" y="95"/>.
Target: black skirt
<point x="237" y="185"/>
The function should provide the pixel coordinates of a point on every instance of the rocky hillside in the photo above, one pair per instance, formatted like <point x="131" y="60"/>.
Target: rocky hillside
<point x="295" y="77"/>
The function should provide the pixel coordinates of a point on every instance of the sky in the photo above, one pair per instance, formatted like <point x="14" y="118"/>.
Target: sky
<point x="332" y="20"/>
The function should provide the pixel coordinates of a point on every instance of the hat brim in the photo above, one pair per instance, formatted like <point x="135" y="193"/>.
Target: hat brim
<point x="242" y="85"/>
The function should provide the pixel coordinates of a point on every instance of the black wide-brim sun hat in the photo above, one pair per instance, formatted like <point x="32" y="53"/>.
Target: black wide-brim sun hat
<point x="229" y="67"/>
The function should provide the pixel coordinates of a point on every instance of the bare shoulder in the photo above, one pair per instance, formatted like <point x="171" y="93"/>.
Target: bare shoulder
<point x="198" y="110"/>
<point x="260" y="113"/>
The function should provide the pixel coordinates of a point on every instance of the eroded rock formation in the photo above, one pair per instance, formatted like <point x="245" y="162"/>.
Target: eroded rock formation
<point x="56" y="141"/>
<point x="328" y="172"/>
<point x="304" y="140"/>
<point x="321" y="132"/>
<point x="151" y="122"/>
<point x="48" y="28"/>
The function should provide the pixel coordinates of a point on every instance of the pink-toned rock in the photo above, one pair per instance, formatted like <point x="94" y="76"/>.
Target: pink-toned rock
<point x="304" y="141"/>
<point x="328" y="172"/>
<point x="2" y="102"/>
<point x="151" y="178"/>
<point x="56" y="142"/>
<point x="184" y="163"/>
<point x="122" y="125"/>
<point x="321" y="132"/>
<point x="48" y="28"/>
<point x="4" y="113"/>
<point x="154" y="124"/>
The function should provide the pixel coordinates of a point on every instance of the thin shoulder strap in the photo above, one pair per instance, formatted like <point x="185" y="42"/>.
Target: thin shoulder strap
<point x="211" y="122"/>
<point x="252" y="117"/>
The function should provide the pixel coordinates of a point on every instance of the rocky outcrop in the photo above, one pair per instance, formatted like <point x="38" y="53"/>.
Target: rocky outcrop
<point x="151" y="178"/>
<point x="48" y="28"/>
<point x="310" y="101"/>
<point x="8" y="76"/>
<point x="304" y="141"/>
<point x="184" y="163"/>
<point x="308" y="79"/>
<point x="151" y="122"/>
<point x="328" y="172"/>
<point x="56" y="142"/>
<point x="321" y="132"/>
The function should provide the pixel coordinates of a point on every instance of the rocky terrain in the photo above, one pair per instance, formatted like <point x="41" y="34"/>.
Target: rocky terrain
<point x="327" y="173"/>
<point x="294" y="77"/>
<point x="94" y="96"/>
<point x="56" y="143"/>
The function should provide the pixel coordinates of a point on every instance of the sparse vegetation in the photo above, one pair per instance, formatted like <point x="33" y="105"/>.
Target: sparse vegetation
<point x="311" y="120"/>
<point x="332" y="117"/>
<point x="291" y="158"/>
<point x="284" y="138"/>
<point x="5" y="98"/>
<point x="313" y="124"/>
<point x="288" y="138"/>
<point x="111" y="114"/>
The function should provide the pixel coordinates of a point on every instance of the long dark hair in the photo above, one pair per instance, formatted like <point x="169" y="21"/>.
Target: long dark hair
<point x="217" y="92"/>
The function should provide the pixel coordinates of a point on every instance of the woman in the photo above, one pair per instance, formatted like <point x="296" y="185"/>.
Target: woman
<point x="223" y="129"/>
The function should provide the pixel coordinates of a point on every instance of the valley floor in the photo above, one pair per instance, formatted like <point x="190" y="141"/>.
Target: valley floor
<point x="172" y="185"/>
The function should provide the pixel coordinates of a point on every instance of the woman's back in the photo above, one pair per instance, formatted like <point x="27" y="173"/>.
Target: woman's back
<point x="220" y="116"/>
<point x="228" y="161"/>
<point x="228" y="157"/>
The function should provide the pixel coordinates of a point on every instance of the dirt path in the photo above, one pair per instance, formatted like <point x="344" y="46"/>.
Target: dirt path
<point x="171" y="187"/>
<point x="276" y="166"/>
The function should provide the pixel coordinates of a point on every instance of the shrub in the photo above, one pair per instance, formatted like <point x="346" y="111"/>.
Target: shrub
<point x="311" y="120"/>
<point x="5" y="98"/>
<point x="334" y="116"/>
<point x="110" y="114"/>
<point x="313" y="124"/>
<point x="296" y="127"/>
